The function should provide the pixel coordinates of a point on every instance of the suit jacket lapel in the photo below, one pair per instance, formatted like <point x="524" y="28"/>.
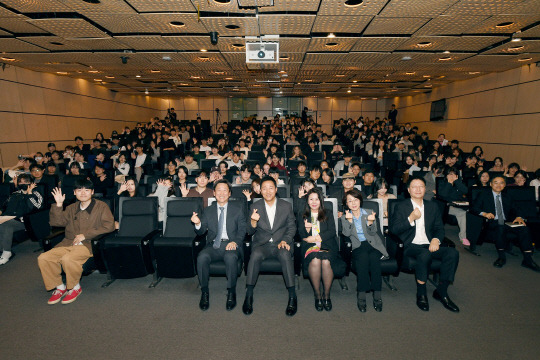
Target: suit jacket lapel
<point x="264" y="214"/>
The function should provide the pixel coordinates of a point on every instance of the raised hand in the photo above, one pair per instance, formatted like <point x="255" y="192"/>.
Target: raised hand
<point x="349" y="216"/>
<point x="31" y="188"/>
<point x="371" y="217"/>
<point x="247" y="194"/>
<point x="308" y="225"/>
<point x="123" y="187"/>
<point x="255" y="216"/>
<point x="238" y="180"/>
<point x="301" y="192"/>
<point x="58" y="196"/>
<point x="184" y="190"/>
<point x="195" y="219"/>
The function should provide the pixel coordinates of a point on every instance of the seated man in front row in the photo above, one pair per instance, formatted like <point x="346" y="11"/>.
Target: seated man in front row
<point x="419" y="224"/>
<point x="498" y="207"/>
<point x="84" y="220"/>
<point x="273" y="227"/>
<point x="226" y="225"/>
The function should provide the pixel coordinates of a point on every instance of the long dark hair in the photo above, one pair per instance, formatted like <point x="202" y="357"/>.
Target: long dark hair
<point x="307" y="210"/>
<point x="378" y="185"/>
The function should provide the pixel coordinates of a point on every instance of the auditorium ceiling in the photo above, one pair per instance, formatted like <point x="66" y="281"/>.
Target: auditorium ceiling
<point x="338" y="48"/>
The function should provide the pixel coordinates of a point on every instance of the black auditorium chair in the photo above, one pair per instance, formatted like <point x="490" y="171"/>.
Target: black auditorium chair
<point x="407" y="264"/>
<point x="271" y="265"/>
<point x="174" y="252"/>
<point x="237" y="190"/>
<point x="394" y="247"/>
<point x="127" y="252"/>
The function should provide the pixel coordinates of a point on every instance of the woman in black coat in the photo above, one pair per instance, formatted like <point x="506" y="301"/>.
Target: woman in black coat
<point x="320" y="252"/>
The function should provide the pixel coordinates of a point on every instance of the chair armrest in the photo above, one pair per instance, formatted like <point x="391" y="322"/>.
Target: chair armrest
<point x="397" y="244"/>
<point x="56" y="235"/>
<point x="96" y="243"/>
<point x="149" y="238"/>
<point x="345" y="251"/>
<point x="446" y="242"/>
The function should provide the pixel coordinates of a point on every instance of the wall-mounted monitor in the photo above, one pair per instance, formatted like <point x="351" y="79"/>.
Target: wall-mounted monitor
<point x="438" y="110"/>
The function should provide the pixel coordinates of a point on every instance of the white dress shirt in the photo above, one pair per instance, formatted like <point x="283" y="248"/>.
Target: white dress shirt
<point x="271" y="212"/>
<point x="421" y="237"/>
<point x="140" y="160"/>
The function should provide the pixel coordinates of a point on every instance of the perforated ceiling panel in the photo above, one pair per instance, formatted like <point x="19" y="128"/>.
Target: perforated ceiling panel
<point x="341" y="24"/>
<point x="69" y="28"/>
<point x="387" y="25"/>
<point x="387" y="46"/>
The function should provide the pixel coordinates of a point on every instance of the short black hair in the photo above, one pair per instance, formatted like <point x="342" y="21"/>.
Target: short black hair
<point x="223" y="181"/>
<point x="273" y="170"/>
<point x="245" y="167"/>
<point x="412" y="178"/>
<point x="83" y="184"/>
<point x="40" y="167"/>
<point x="78" y="138"/>
<point x="26" y="177"/>
<point x="268" y="178"/>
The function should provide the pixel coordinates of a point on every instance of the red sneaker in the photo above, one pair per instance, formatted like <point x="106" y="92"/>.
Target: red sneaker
<point x="56" y="296"/>
<point x="71" y="296"/>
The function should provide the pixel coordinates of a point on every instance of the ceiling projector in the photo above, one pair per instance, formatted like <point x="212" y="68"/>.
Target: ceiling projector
<point x="262" y="52"/>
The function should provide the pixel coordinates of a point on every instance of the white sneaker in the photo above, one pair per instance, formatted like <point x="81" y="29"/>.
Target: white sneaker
<point x="5" y="257"/>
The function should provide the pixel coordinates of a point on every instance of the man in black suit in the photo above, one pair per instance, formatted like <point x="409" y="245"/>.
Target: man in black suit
<point x="392" y="115"/>
<point x="419" y="225"/>
<point x="498" y="207"/>
<point x="226" y="226"/>
<point x="273" y="228"/>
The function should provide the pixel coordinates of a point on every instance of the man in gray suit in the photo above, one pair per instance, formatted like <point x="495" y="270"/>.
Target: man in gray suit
<point x="226" y="225"/>
<point x="273" y="228"/>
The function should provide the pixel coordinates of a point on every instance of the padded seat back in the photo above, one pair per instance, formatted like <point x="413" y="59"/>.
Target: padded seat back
<point x="525" y="200"/>
<point x="138" y="216"/>
<point x="179" y="212"/>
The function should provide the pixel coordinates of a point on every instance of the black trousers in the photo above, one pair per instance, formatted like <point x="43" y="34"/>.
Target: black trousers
<point x="367" y="260"/>
<point x="209" y="254"/>
<point x="448" y="256"/>
<point x="266" y="251"/>
<point x="499" y="234"/>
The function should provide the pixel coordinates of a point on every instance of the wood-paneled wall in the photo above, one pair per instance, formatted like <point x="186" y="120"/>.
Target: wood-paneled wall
<point x="38" y="108"/>
<point x="499" y="111"/>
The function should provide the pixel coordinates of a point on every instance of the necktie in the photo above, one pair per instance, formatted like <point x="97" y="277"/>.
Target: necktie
<point x="499" y="210"/>
<point x="221" y="221"/>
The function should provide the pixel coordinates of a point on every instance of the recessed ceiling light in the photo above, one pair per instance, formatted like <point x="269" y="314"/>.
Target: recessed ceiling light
<point x="424" y="44"/>
<point x="98" y="80"/>
<point x="504" y="24"/>
<point x="219" y="72"/>
<point x="228" y="78"/>
<point x="155" y="71"/>
<point x="109" y="77"/>
<point x="238" y="46"/>
<point x="331" y="44"/>
<point x="195" y="77"/>
<point x="93" y="71"/>
<point x="426" y="76"/>
<point x="429" y="85"/>
<point x="331" y="35"/>
<point x="204" y="50"/>
<point x="353" y="3"/>
<point x="516" y="48"/>
<point x="373" y="98"/>
<point x="406" y="58"/>
<point x="308" y="80"/>
<point x="474" y="72"/>
<point x="446" y="58"/>
<point x="137" y="76"/>
<point x="204" y="57"/>
<point x="349" y="91"/>
<point x="525" y="59"/>
<point x="282" y="72"/>
<point x="177" y="24"/>
<point x="340" y="75"/>
<point x="355" y="81"/>
<point x="62" y="72"/>
<point x="56" y="43"/>
<point x="232" y="26"/>
<point x="7" y="59"/>
<point x="410" y="73"/>
<point x="516" y="39"/>
<point x="146" y="91"/>
<point x="446" y="52"/>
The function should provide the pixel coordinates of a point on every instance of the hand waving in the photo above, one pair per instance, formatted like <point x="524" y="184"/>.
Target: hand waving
<point x="58" y="196"/>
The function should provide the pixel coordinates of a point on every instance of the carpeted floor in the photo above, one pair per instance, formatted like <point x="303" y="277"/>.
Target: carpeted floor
<point x="499" y="318"/>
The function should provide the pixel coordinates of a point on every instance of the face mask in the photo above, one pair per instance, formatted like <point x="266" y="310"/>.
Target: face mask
<point x="38" y="158"/>
<point x="23" y="187"/>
